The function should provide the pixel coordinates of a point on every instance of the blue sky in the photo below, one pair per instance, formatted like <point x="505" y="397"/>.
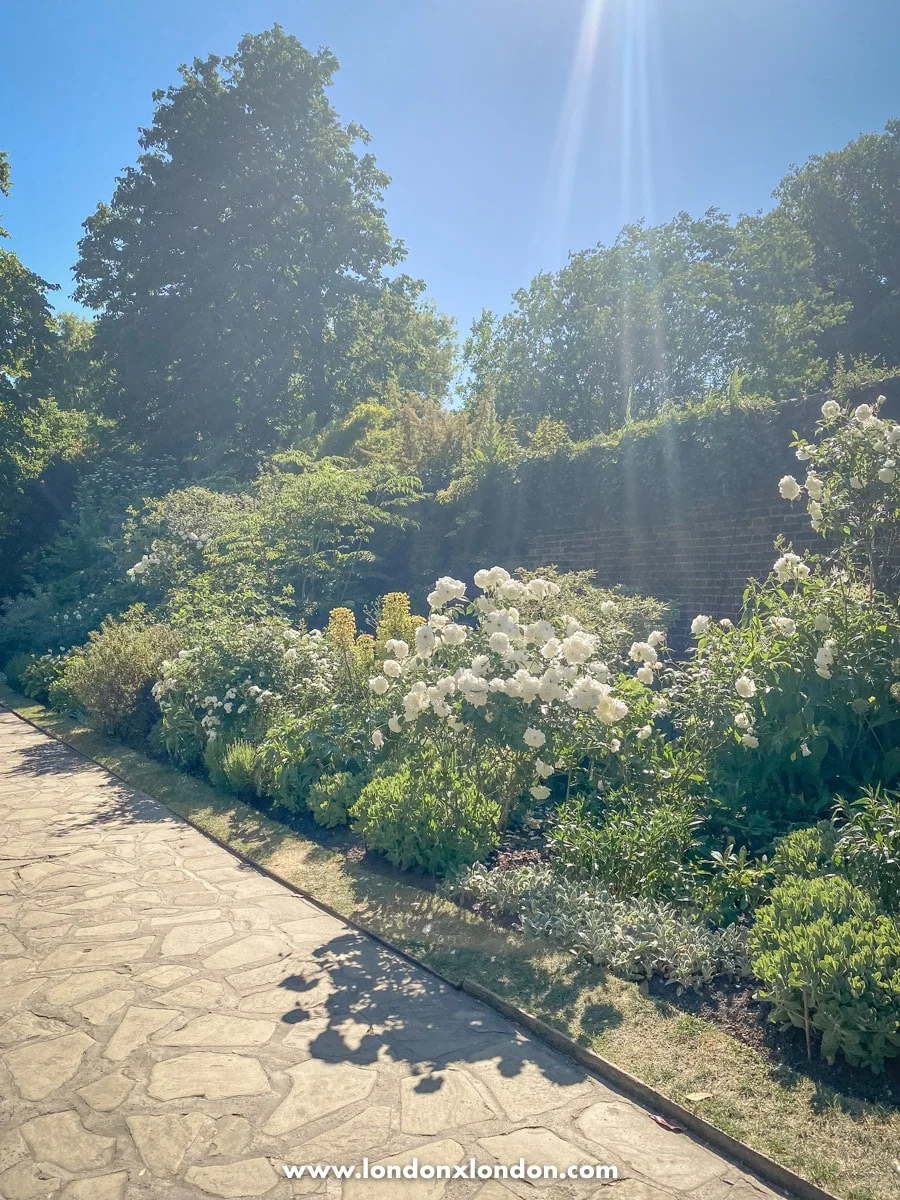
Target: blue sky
<point x="514" y="130"/>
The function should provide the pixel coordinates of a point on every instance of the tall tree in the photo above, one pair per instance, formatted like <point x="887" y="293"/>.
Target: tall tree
<point x="232" y="259"/>
<point x="848" y="204"/>
<point x="665" y="313"/>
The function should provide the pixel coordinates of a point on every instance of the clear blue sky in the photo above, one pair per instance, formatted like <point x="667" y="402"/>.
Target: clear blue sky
<point x="514" y="130"/>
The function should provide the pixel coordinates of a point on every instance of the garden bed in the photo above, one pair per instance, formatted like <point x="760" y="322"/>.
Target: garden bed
<point x="835" y="1126"/>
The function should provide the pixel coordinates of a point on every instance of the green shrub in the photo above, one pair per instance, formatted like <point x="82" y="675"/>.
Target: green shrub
<point x="331" y="796"/>
<point x="238" y="768"/>
<point x="40" y="675"/>
<point x="869" y="844"/>
<point x="15" y="670"/>
<point x="431" y="818"/>
<point x="806" y="853"/>
<point x="830" y="964"/>
<point x="634" y="848"/>
<point x="114" y="676"/>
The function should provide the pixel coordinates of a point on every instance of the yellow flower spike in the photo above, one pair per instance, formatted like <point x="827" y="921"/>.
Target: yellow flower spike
<point x="342" y="628"/>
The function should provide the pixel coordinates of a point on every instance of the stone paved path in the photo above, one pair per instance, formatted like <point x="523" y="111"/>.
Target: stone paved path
<point x="174" y="1024"/>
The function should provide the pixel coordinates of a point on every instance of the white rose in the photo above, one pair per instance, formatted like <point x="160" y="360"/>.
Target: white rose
<point x="608" y="607"/>
<point x="805" y="750"/>
<point x="830" y="410"/>
<point x="499" y="643"/>
<point x="543" y="769"/>
<point x="821" y="622"/>
<point x="750" y="741"/>
<point x="814" y="486"/>
<point x="425" y="641"/>
<point x="377" y="739"/>
<point x="615" y="745"/>
<point x="700" y="625"/>
<point x="856" y="483"/>
<point x="645" y="674"/>
<point x="789" y="487"/>
<point x="379" y="685"/>
<point x="539" y="792"/>
<point x="392" y="668"/>
<point x="644" y="732"/>
<point x="887" y="474"/>
<point x="396" y="648"/>
<point x="742" y="720"/>
<point x="862" y="412"/>
<point x="454" y="635"/>
<point x="534" y="738"/>
<point x="745" y="687"/>
<point x="394" y="724"/>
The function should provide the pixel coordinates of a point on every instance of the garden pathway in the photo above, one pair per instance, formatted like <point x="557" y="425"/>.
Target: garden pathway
<point x="175" y="1024"/>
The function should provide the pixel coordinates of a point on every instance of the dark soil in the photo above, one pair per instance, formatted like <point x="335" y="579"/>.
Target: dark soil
<point x="733" y="1006"/>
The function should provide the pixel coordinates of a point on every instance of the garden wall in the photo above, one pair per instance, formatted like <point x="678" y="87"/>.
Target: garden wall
<point x="685" y="509"/>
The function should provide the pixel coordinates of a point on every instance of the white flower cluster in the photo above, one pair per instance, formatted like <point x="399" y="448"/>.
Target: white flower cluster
<point x="548" y="666"/>
<point x="790" y="567"/>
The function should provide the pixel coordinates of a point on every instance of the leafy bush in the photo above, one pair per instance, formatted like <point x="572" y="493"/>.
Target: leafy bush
<point x="114" y="676"/>
<point x="332" y="796"/>
<point x="15" y="669"/>
<point x="431" y="818"/>
<point x="633" y="848"/>
<point x="806" y="853"/>
<point x="635" y="938"/>
<point x="733" y="885"/>
<point x="830" y="963"/>
<point x="40" y="674"/>
<point x="239" y="768"/>
<point x="869" y="844"/>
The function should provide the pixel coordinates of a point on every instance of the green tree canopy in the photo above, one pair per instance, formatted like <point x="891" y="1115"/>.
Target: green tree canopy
<point x="242" y="260"/>
<point x="665" y="313"/>
<point x="847" y="203"/>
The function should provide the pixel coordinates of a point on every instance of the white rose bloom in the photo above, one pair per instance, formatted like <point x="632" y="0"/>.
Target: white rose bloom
<point x="511" y="590"/>
<point x="814" y="508"/>
<point x="784" y="625"/>
<point x="805" y="750"/>
<point x="742" y="720"/>
<point x="578" y="647"/>
<point x="821" y="623"/>
<point x="242" y="708"/>
<point x="700" y="625"/>
<point x="539" y="792"/>
<point x="660" y="706"/>
<point x="438" y="620"/>
<point x="862" y="413"/>
<point x="572" y="625"/>
<point x="392" y="668"/>
<point x="856" y="483"/>
<point x="454" y="635"/>
<point x="538" y="632"/>
<point x="455" y="724"/>
<point x="725" y="624"/>
<point x="656" y="638"/>
<point x="394" y="724"/>
<point x="586" y="694"/>
<point x="750" y="741"/>
<point x="644" y="732"/>
<point x="483" y="579"/>
<point x="615" y="745"/>
<point x="824" y="672"/>
<point x="537" y="589"/>
<point x="445" y="590"/>
<point x="499" y="643"/>
<point x="379" y="685"/>
<point x="893" y="435"/>
<point x="610" y="710"/>
<point x="228" y="706"/>
<point x="887" y="474"/>
<point x="745" y="687"/>
<point x="645" y="674"/>
<point x="815" y="486"/>
<point x="377" y="739"/>
<point x="803" y="453"/>
<point x="789" y="487"/>
<point x="396" y="648"/>
<point x="551" y="648"/>
<point x="425" y="641"/>
<point x="534" y="738"/>
<point x="643" y="652"/>
<point x="608" y="607"/>
<point x="790" y="566"/>
<point x="830" y="410"/>
<point x="544" y="770"/>
<point x="480" y="664"/>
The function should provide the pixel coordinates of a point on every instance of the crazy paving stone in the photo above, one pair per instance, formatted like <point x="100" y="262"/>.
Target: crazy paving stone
<point x="78" y="987"/>
<point x="25" y="1025"/>
<point x="61" y="1139"/>
<point x="136" y="1027"/>
<point x="213" y="1029"/>
<point x="436" y="1102"/>
<point x="108" y="1092"/>
<point x="253" y="1177"/>
<point x="215" y="1076"/>
<point x="368" y="1130"/>
<point x="319" y="1089"/>
<point x="39" y="1068"/>
<point x="101" y="1187"/>
<point x="107" y="954"/>
<point x="443" y="1153"/>
<point x="256" y="948"/>
<point x="163" y="1141"/>
<point x="27" y="1180"/>
<point x="101" y="1008"/>
<point x="628" y="1134"/>
<point x="536" y="1145"/>
<point x="202" y="993"/>
<point x="191" y="939"/>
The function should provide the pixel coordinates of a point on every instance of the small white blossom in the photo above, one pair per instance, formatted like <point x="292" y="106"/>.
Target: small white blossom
<point x="377" y="739"/>
<point x="396" y="648"/>
<point x="454" y="635"/>
<point x="750" y="741"/>
<point x="745" y="687"/>
<point x="789" y="487"/>
<point x="379" y="685"/>
<point x="539" y="792"/>
<point x="392" y="668"/>
<point x="645" y="674"/>
<point x="394" y="724"/>
<point x="700" y="625"/>
<point x="534" y="738"/>
<point x="830" y="410"/>
<point x="644" y="732"/>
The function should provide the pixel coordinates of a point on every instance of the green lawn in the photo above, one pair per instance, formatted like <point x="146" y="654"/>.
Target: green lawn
<point x="846" y="1144"/>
